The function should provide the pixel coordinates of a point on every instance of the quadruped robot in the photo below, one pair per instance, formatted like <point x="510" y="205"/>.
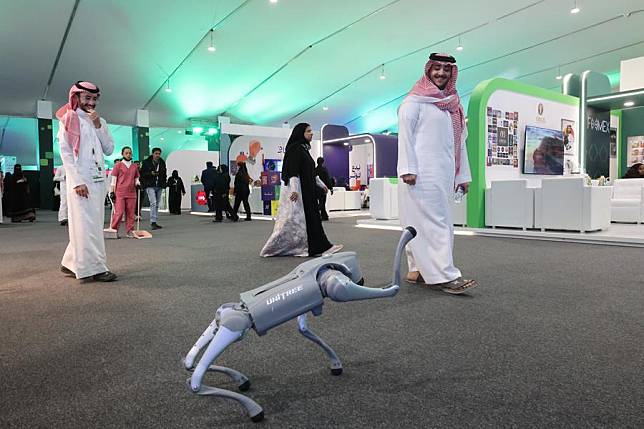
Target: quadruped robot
<point x="337" y="277"/>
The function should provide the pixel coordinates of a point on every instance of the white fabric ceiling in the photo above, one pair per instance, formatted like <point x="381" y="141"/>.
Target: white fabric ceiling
<point x="129" y="48"/>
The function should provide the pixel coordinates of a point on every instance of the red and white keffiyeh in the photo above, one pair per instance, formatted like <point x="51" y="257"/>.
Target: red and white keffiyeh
<point x="68" y="116"/>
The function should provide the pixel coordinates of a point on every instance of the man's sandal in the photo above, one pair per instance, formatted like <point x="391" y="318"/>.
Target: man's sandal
<point x="414" y="277"/>
<point x="458" y="286"/>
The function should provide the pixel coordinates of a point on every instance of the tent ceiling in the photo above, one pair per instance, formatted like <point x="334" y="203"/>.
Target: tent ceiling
<point x="129" y="48"/>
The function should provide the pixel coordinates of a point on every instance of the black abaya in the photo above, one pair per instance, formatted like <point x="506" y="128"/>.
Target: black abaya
<point x="298" y="162"/>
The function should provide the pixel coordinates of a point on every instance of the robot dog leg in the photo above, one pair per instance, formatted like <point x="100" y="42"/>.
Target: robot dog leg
<point x="337" y="277"/>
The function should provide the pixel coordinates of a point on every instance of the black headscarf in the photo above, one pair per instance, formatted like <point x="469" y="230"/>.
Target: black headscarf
<point x="297" y="137"/>
<point x="297" y="141"/>
<point x="175" y="174"/>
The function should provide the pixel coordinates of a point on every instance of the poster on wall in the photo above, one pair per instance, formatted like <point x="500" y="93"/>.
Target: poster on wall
<point x="613" y="142"/>
<point x="570" y="154"/>
<point x="635" y="150"/>
<point x="254" y="151"/>
<point x="502" y="138"/>
<point x="597" y="142"/>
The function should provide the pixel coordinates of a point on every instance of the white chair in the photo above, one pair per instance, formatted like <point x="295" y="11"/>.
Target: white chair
<point x="627" y="203"/>
<point x="459" y="211"/>
<point x="509" y="203"/>
<point x="335" y="201"/>
<point x="383" y="198"/>
<point x="352" y="200"/>
<point x="569" y="204"/>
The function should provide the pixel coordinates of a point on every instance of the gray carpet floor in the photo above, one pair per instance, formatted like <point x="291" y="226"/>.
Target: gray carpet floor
<point x="553" y="337"/>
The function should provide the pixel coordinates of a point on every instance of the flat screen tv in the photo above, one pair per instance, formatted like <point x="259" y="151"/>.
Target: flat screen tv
<point x="543" y="151"/>
<point x="273" y="165"/>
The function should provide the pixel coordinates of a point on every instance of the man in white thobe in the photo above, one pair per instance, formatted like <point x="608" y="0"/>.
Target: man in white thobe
<point x="62" y="210"/>
<point x="433" y="164"/>
<point x="84" y="138"/>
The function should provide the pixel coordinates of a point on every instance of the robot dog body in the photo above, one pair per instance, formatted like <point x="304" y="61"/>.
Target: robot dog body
<point x="337" y="277"/>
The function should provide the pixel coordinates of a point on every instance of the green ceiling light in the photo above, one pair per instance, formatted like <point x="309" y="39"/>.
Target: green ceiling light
<point x="325" y="108"/>
<point x="575" y="9"/>
<point x="459" y="48"/>
<point x="559" y="76"/>
<point x="382" y="72"/>
<point x="212" y="131"/>
<point x="197" y="130"/>
<point x="167" y="88"/>
<point x="629" y="104"/>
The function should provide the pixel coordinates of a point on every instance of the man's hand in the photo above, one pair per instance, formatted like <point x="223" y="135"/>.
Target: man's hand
<point x="464" y="186"/>
<point x="409" y="179"/>
<point x="82" y="191"/>
<point x="293" y="196"/>
<point x="96" y="120"/>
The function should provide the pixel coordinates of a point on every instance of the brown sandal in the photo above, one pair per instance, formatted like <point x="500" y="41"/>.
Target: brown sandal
<point x="414" y="277"/>
<point x="459" y="286"/>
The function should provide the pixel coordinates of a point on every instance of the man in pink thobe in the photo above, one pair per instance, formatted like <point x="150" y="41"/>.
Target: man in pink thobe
<point x="125" y="179"/>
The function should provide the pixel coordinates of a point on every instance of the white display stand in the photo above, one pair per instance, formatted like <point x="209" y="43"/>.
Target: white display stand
<point x="627" y="202"/>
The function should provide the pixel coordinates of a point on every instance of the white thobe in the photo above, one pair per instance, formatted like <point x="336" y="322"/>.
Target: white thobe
<point x="60" y="178"/>
<point x="85" y="253"/>
<point x="426" y="149"/>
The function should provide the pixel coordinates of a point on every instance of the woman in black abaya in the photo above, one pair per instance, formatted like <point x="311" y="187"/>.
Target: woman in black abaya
<point x="19" y="208"/>
<point x="298" y="164"/>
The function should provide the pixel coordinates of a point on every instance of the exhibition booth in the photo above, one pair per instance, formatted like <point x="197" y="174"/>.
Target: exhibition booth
<point x="541" y="163"/>
<point x="354" y="161"/>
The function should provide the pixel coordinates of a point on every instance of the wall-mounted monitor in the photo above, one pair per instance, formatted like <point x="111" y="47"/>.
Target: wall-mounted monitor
<point x="543" y="151"/>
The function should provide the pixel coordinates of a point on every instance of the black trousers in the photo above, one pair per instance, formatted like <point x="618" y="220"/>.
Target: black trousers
<point x="223" y="204"/>
<point x="321" y="200"/>
<point x="239" y="199"/>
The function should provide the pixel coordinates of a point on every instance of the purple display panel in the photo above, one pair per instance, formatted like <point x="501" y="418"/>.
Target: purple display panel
<point x="386" y="150"/>
<point x="268" y="193"/>
<point x="336" y="159"/>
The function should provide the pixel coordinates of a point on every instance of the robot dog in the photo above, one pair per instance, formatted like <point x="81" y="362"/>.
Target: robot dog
<point x="337" y="277"/>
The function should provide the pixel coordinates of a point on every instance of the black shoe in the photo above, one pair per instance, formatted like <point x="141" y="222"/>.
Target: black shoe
<point x="155" y="225"/>
<point x="217" y="220"/>
<point x="248" y="219"/>
<point x="67" y="271"/>
<point x="63" y="222"/>
<point x="107" y="276"/>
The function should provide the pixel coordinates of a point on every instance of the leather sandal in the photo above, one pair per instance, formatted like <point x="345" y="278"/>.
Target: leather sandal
<point x="414" y="277"/>
<point x="458" y="286"/>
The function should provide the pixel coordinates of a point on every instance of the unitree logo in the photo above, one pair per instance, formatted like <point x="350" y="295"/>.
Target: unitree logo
<point x="597" y="125"/>
<point x="282" y="295"/>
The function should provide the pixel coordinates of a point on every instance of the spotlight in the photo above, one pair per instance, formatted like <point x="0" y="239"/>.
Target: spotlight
<point x="211" y="48"/>
<point x="629" y="104"/>
<point x="167" y="87"/>
<point x="459" y="48"/>
<point x="575" y="9"/>
<point x="325" y="108"/>
<point x="197" y="130"/>
<point x="273" y="1"/>
<point x="382" y="72"/>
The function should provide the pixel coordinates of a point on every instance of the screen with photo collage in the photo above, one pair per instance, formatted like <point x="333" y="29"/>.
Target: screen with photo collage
<point x="502" y="138"/>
